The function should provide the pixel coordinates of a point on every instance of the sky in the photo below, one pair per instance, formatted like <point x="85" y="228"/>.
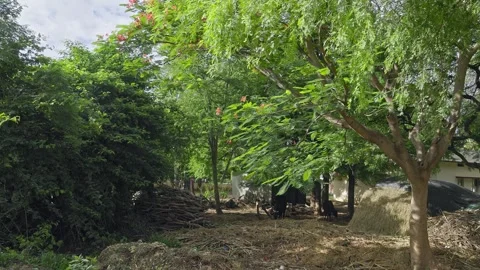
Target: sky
<point x="75" y="20"/>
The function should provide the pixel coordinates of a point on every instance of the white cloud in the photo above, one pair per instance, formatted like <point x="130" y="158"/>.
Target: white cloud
<point x="75" y="20"/>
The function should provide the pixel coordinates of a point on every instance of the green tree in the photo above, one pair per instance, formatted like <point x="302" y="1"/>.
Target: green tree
<point x="202" y="91"/>
<point x="405" y="61"/>
<point x="19" y="48"/>
<point x="289" y="146"/>
<point x="90" y="135"/>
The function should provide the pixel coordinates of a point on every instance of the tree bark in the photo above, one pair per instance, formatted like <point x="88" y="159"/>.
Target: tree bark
<point x="325" y="188"/>
<point x="420" y="252"/>
<point x="213" y="143"/>
<point x="351" y="191"/>
<point x="316" y="197"/>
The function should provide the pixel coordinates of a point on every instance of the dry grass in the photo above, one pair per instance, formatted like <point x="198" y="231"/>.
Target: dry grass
<point x="457" y="235"/>
<point x="383" y="211"/>
<point x="241" y="240"/>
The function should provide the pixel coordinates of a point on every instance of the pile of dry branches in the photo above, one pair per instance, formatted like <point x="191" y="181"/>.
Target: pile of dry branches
<point x="458" y="232"/>
<point x="169" y="208"/>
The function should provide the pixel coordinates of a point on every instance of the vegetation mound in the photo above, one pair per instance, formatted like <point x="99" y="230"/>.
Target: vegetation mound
<point x="459" y="234"/>
<point x="136" y="256"/>
<point x="382" y="211"/>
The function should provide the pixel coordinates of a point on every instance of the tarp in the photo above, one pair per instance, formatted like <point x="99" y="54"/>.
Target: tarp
<point x="442" y="195"/>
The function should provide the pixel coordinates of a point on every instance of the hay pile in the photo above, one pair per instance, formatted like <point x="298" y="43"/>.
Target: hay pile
<point x="169" y="208"/>
<point x="459" y="233"/>
<point x="382" y="211"/>
<point x="141" y="256"/>
<point x="240" y="240"/>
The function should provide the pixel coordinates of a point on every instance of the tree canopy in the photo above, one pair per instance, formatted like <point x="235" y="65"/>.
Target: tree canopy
<point x="353" y="62"/>
<point x="88" y="136"/>
<point x="293" y="89"/>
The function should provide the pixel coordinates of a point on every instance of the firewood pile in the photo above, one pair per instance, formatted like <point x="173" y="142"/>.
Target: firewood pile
<point x="168" y="208"/>
<point x="458" y="231"/>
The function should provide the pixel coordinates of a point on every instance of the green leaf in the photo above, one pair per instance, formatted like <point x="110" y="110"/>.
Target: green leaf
<point x="324" y="71"/>
<point x="284" y="188"/>
<point x="307" y="174"/>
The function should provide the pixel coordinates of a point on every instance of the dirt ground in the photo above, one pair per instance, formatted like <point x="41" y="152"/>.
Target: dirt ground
<point x="239" y="239"/>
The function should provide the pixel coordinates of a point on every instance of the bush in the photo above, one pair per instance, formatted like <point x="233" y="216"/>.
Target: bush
<point x="224" y="190"/>
<point x="82" y="263"/>
<point x="48" y="260"/>
<point x="169" y="241"/>
<point x="41" y="240"/>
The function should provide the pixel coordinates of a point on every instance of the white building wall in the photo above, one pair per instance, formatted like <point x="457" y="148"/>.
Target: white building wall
<point x="339" y="190"/>
<point x="238" y="187"/>
<point x="449" y="171"/>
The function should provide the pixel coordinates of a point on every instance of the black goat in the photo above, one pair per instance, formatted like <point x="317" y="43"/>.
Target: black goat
<point x="328" y="210"/>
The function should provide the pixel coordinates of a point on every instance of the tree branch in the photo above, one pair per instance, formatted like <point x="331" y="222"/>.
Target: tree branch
<point x="474" y="165"/>
<point x="312" y="56"/>
<point x="414" y="136"/>
<point x="277" y="80"/>
<point x="392" y="118"/>
<point x="382" y="141"/>
<point x="441" y="142"/>
<point x="472" y="98"/>
<point x="337" y="122"/>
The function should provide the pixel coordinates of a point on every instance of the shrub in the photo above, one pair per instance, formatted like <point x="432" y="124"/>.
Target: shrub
<point x="82" y="263"/>
<point x="169" y="241"/>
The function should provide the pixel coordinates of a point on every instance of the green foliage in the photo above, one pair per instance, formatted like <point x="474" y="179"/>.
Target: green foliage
<point x="89" y="134"/>
<point x="47" y="260"/>
<point x="82" y="263"/>
<point x="224" y="189"/>
<point x="169" y="241"/>
<point x="315" y="52"/>
<point x="41" y="240"/>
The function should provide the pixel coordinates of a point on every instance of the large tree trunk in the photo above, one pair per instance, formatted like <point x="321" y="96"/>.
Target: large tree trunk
<point x="420" y="252"/>
<point x="316" y="198"/>
<point x="213" y="142"/>
<point x="325" y="188"/>
<point x="351" y="191"/>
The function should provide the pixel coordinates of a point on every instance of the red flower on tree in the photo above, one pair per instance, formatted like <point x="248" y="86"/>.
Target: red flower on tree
<point x="121" y="38"/>
<point x="132" y="2"/>
<point x="218" y="111"/>
<point x="150" y="17"/>
<point x="243" y="99"/>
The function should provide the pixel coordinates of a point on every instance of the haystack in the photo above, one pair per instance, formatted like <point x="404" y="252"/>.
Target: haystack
<point x="382" y="211"/>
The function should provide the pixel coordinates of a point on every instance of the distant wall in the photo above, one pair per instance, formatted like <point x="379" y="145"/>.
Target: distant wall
<point x="238" y="187"/>
<point x="451" y="171"/>
<point x="248" y="191"/>
<point x="339" y="189"/>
